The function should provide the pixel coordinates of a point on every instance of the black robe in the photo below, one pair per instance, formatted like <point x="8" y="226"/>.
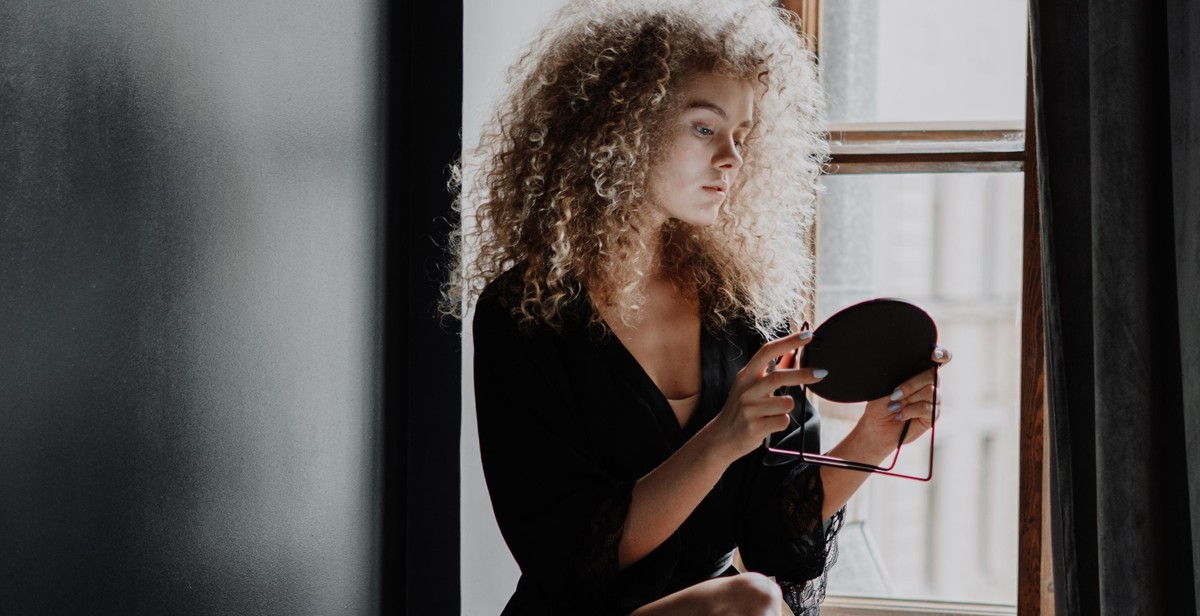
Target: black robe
<point x="568" y="422"/>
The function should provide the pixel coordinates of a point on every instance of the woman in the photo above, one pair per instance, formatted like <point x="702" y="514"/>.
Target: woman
<point x="644" y="198"/>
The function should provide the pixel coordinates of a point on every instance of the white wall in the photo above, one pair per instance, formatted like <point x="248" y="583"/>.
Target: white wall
<point x="494" y="34"/>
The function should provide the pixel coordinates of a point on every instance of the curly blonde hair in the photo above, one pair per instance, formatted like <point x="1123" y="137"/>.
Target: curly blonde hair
<point x="562" y="184"/>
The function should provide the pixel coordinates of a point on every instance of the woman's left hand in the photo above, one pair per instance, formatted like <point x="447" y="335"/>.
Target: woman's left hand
<point x="912" y="400"/>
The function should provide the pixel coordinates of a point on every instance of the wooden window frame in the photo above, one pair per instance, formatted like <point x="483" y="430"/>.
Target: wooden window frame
<point x="941" y="147"/>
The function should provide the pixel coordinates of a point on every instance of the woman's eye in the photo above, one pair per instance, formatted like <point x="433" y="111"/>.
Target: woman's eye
<point x="704" y="130"/>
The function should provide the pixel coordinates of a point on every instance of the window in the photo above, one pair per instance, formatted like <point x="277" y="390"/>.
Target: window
<point x="926" y="200"/>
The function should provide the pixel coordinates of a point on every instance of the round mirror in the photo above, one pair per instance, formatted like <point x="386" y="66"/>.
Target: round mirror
<point x="870" y="348"/>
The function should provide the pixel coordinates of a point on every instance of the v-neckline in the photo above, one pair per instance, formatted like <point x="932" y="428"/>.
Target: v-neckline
<point x="661" y="404"/>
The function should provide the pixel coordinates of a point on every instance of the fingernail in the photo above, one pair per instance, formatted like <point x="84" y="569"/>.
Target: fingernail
<point x="896" y="395"/>
<point x="939" y="354"/>
<point x="895" y="406"/>
<point x="897" y="417"/>
<point x="820" y="373"/>
<point x="805" y="335"/>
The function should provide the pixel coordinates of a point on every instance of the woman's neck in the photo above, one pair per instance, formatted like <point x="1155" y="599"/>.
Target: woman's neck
<point x="650" y="261"/>
<point x="645" y="265"/>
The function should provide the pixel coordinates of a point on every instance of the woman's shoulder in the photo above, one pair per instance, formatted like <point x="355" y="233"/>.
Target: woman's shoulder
<point x="505" y="291"/>
<point x="498" y="308"/>
<point x="505" y="296"/>
<point x="742" y="329"/>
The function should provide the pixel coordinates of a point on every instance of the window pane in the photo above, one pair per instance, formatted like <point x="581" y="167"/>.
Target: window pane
<point x="951" y="243"/>
<point x="924" y="60"/>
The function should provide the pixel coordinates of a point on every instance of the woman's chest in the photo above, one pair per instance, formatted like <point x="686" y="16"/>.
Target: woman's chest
<point x="665" y="343"/>
<point x="624" y="418"/>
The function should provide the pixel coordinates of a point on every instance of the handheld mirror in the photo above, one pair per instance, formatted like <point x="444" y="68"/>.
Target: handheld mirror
<point x="869" y="349"/>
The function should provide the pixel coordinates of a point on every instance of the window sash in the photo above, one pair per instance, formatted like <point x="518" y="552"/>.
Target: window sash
<point x="926" y="147"/>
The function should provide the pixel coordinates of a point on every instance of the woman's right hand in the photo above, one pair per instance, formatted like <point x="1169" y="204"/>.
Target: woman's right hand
<point x="753" y="411"/>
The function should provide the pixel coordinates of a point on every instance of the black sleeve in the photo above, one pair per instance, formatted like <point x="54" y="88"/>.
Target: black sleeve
<point x="560" y="513"/>
<point x="781" y="531"/>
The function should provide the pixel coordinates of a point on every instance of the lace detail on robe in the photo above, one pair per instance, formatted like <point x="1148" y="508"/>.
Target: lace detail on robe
<point x="815" y="549"/>
<point x="598" y="562"/>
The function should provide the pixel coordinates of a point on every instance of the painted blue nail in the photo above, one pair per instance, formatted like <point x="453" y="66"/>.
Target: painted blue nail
<point x="805" y="335"/>
<point x="820" y="373"/>
<point x="896" y="395"/>
<point x="895" y="406"/>
<point x="939" y="354"/>
<point x="897" y="417"/>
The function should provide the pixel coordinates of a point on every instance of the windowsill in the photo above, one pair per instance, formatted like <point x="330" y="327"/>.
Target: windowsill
<point x="871" y="606"/>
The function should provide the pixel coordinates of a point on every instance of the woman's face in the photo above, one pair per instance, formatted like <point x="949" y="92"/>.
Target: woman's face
<point x="702" y="154"/>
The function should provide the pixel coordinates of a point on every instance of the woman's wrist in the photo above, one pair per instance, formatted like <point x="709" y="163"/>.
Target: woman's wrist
<point x="715" y="448"/>
<point x="862" y="445"/>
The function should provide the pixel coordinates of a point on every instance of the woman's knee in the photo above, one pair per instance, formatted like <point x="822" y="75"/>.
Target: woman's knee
<point x="750" y="594"/>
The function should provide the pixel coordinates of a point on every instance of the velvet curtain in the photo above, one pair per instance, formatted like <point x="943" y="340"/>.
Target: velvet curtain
<point x="1117" y="95"/>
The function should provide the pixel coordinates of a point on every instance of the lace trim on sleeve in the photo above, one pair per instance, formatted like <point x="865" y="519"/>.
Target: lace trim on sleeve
<point x="597" y="562"/>
<point x="814" y="542"/>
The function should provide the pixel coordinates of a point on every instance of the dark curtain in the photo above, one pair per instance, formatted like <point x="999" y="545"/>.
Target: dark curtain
<point x="1117" y="94"/>
<point x="422" y="354"/>
<point x="189" y="307"/>
<point x="223" y="385"/>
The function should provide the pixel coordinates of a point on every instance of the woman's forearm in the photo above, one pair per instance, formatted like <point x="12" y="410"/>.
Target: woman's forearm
<point x="841" y="483"/>
<point x="665" y="497"/>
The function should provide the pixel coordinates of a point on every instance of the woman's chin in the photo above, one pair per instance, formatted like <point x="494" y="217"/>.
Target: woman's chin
<point x="704" y="218"/>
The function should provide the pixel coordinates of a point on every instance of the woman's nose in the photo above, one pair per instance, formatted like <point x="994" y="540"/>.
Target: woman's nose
<point x="727" y="156"/>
